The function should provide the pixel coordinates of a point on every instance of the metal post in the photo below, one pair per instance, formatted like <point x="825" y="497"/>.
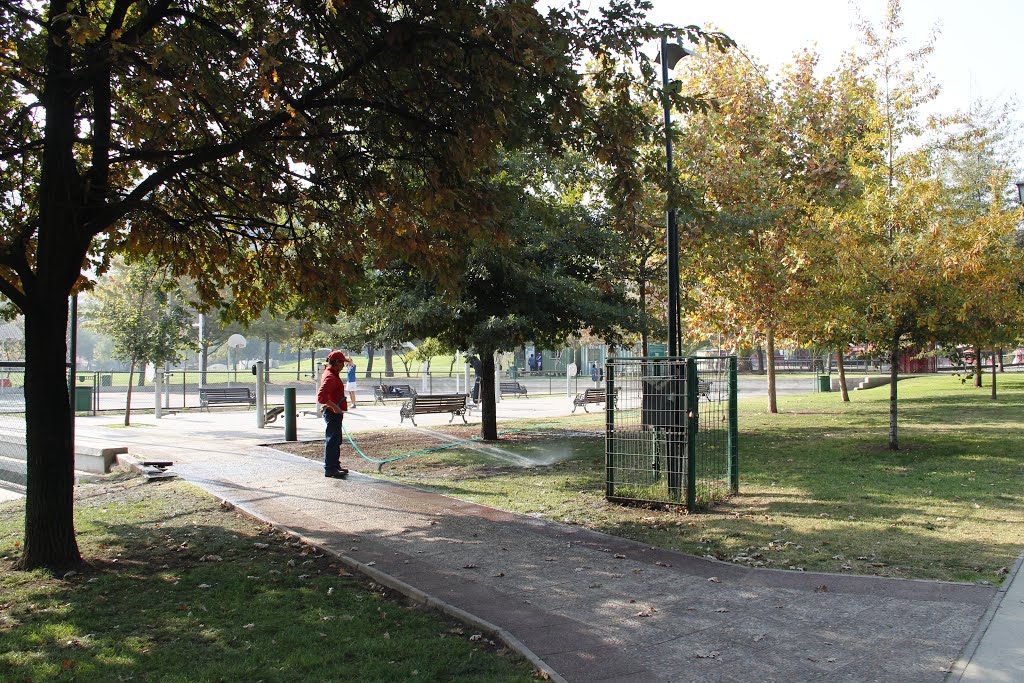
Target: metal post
<point x="609" y="431"/>
<point x="261" y="412"/>
<point x="158" y="380"/>
<point x="73" y="361"/>
<point x="497" y="378"/>
<point x="289" y="415"/>
<point x="734" y="428"/>
<point x="673" y="232"/>
<point x="167" y="389"/>
<point x="692" y="425"/>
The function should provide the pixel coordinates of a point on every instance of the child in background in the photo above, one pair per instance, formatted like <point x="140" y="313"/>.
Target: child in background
<point x="351" y="384"/>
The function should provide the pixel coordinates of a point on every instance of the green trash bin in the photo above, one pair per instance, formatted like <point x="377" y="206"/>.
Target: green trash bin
<point x="83" y="399"/>
<point x="824" y="382"/>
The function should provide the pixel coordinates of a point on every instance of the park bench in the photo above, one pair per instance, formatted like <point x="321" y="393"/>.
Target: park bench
<point x="434" y="403"/>
<point x="511" y="388"/>
<point x="589" y="396"/>
<point x="218" y="396"/>
<point x="392" y="392"/>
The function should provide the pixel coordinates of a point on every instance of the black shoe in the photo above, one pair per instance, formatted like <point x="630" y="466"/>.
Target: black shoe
<point x="339" y="474"/>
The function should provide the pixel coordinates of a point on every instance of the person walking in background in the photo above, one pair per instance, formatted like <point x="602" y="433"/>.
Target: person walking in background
<point x="331" y="396"/>
<point x="477" y="365"/>
<point x="351" y="384"/>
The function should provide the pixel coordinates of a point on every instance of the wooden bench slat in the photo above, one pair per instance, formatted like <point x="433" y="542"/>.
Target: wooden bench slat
<point x="511" y="388"/>
<point x="594" y="395"/>
<point x="226" y="395"/>
<point x="434" y="403"/>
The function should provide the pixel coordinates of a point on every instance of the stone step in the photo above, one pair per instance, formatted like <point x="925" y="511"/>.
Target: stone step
<point x="90" y="455"/>
<point x="13" y="473"/>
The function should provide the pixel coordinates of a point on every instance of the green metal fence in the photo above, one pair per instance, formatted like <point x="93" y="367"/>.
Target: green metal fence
<point x="671" y="434"/>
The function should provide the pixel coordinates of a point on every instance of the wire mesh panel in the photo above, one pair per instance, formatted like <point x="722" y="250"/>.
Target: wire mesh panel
<point x="12" y="425"/>
<point x="655" y="406"/>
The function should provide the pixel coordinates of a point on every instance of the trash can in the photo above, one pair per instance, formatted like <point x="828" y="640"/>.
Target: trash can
<point x="83" y="399"/>
<point x="513" y="372"/>
<point x="824" y="382"/>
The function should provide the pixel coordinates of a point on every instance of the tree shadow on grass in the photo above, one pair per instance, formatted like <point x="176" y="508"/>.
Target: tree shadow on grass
<point x="179" y="596"/>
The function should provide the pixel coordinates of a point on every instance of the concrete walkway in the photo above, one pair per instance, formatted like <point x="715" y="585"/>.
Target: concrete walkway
<point x="583" y="605"/>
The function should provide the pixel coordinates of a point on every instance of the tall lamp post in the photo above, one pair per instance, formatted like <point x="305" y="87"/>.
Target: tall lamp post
<point x="668" y="57"/>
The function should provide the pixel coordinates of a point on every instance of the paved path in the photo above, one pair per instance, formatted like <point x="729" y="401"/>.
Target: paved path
<point x="587" y="606"/>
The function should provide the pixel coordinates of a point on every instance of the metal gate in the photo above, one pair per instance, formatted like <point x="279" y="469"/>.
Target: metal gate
<point x="670" y="431"/>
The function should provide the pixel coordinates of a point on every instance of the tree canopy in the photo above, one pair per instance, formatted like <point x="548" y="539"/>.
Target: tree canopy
<point x="257" y="147"/>
<point x="545" y="280"/>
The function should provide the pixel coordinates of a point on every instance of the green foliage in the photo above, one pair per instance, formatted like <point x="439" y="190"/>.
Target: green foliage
<point x="147" y="323"/>
<point x="545" y="280"/>
<point x="259" y="148"/>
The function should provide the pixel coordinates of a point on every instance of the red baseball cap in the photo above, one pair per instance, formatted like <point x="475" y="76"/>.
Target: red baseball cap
<point x="336" y="355"/>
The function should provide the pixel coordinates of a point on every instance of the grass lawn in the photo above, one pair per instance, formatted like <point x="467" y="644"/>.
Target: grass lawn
<point x="819" y="488"/>
<point x="178" y="589"/>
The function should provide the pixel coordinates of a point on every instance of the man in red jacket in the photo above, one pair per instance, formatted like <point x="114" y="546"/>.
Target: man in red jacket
<point x="331" y="396"/>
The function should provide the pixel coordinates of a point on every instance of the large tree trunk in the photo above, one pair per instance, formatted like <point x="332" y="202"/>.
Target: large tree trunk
<point x="773" y="405"/>
<point x="389" y="362"/>
<point x="894" y="375"/>
<point x="760" y="360"/>
<point x="298" y="363"/>
<point x="993" y="374"/>
<point x="488" y="410"/>
<point x="842" y="376"/>
<point x="371" y="350"/>
<point x="977" y="366"/>
<point x="49" y="436"/>
<point x="60" y="251"/>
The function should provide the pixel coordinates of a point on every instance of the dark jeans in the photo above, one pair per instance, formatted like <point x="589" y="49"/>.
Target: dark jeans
<point x="332" y="443"/>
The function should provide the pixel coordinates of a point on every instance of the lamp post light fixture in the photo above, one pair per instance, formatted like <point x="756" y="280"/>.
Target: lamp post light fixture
<point x="668" y="57"/>
<point x="1020" y="192"/>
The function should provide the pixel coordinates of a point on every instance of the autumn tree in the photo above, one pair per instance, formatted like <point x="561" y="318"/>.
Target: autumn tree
<point x="827" y="121"/>
<point x="255" y="146"/>
<point x="147" y="323"/>
<point x="895" y="229"/>
<point x="974" y="161"/>
<point x="738" y="254"/>
<point x="987" y="271"/>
